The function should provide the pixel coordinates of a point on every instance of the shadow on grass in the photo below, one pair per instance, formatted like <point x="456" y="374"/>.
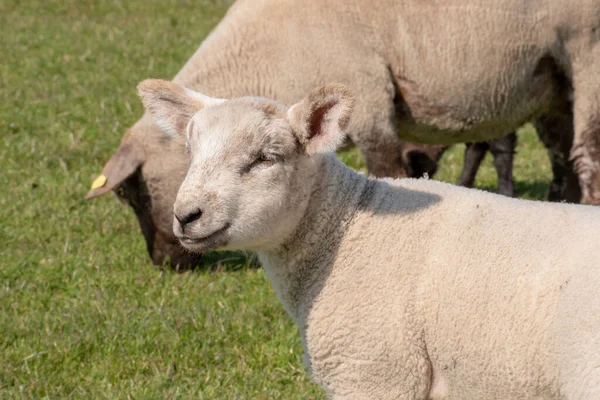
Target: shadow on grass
<point x="219" y="261"/>
<point x="532" y="190"/>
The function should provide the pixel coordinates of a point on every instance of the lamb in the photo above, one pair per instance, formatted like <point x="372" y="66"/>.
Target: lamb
<point x="473" y="296"/>
<point x="437" y="72"/>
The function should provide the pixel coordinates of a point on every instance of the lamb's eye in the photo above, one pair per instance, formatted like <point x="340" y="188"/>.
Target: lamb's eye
<point x="263" y="161"/>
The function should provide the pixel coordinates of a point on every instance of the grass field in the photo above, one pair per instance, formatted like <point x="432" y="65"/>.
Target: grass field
<point x="83" y="313"/>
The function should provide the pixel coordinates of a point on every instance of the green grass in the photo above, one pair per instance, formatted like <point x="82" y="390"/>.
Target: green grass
<point x="83" y="313"/>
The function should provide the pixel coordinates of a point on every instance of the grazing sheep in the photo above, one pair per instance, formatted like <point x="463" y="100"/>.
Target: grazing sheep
<point x="402" y="289"/>
<point x="437" y="71"/>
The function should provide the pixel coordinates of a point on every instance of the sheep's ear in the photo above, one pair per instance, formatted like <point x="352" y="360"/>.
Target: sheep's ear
<point x="172" y="106"/>
<point x="128" y="158"/>
<point x="320" y="118"/>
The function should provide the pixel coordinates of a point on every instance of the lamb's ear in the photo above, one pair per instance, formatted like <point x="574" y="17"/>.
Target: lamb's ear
<point x="172" y="106"/>
<point x="320" y="118"/>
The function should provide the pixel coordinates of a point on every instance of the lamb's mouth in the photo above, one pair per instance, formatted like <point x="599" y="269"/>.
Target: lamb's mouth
<point x="216" y="237"/>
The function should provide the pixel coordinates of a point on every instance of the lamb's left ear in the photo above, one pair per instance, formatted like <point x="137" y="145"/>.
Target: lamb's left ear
<point x="172" y="106"/>
<point x="320" y="118"/>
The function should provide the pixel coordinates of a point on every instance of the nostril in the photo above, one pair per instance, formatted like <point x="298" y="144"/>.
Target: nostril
<point x="186" y="219"/>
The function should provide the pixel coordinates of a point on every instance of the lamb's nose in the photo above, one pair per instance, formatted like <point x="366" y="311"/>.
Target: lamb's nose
<point x="187" y="218"/>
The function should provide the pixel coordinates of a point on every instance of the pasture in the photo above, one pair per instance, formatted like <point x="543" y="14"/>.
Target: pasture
<point x="83" y="312"/>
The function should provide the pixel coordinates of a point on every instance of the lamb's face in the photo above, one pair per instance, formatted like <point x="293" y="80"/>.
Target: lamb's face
<point x="242" y="183"/>
<point x="252" y="161"/>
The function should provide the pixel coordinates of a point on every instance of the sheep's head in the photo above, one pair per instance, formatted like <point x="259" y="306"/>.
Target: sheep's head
<point x="145" y="173"/>
<point x="252" y="161"/>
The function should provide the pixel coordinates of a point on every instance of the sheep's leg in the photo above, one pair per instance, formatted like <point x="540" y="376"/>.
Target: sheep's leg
<point x="377" y="138"/>
<point x="556" y="133"/>
<point x="375" y="134"/>
<point x="586" y="156"/>
<point x="382" y="151"/>
<point x="474" y="154"/>
<point x="585" y="152"/>
<point x="503" y="150"/>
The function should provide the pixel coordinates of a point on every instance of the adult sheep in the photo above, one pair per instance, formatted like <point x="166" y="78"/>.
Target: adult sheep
<point x="402" y="289"/>
<point x="440" y="72"/>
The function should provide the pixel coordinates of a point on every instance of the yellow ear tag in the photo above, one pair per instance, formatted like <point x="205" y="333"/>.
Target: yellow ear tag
<point x="99" y="182"/>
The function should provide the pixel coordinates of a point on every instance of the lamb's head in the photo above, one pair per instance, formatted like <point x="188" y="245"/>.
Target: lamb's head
<point x="252" y="161"/>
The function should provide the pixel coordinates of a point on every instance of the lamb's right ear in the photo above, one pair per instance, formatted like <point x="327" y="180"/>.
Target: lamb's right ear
<point x="172" y="106"/>
<point x="320" y="118"/>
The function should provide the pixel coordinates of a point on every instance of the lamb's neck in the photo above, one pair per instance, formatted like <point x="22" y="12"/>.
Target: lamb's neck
<point x="298" y="268"/>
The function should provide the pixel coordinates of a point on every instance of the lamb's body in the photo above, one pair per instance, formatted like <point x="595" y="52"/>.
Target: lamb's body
<point x="393" y="282"/>
<point x="407" y="289"/>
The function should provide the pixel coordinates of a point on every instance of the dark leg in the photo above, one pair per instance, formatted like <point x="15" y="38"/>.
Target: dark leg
<point x="556" y="132"/>
<point x="503" y="150"/>
<point x="474" y="154"/>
